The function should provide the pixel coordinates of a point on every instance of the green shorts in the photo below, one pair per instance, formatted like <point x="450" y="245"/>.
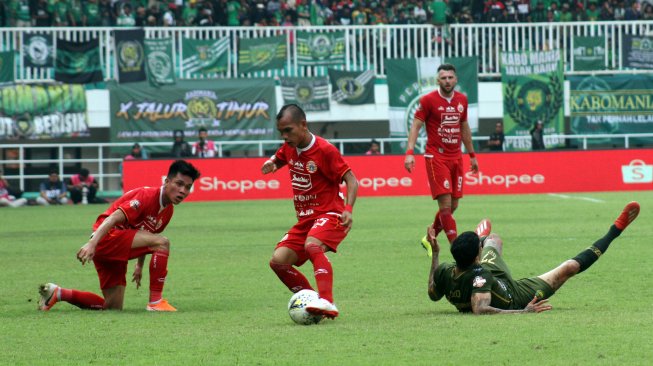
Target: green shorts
<point x="524" y="289"/>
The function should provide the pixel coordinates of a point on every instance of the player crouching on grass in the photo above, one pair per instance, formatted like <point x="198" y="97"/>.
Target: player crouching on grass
<point x="129" y="229"/>
<point x="480" y="280"/>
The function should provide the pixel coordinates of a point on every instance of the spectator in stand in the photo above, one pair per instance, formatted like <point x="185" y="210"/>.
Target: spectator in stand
<point x="137" y="152"/>
<point x="107" y="17"/>
<point x="91" y="14"/>
<point x="592" y="13"/>
<point x="495" y="143"/>
<point x="375" y="148"/>
<point x="180" y="148"/>
<point x="620" y="11"/>
<point x="494" y="11"/>
<point x="565" y="13"/>
<point x="304" y="14"/>
<point x="523" y="10"/>
<point x="155" y="12"/>
<point x="189" y="14"/>
<point x="19" y="11"/>
<point x="76" y="15"/>
<point x="126" y="17"/>
<point x="539" y="14"/>
<point x="205" y="17"/>
<point x="607" y="12"/>
<point x="648" y="12"/>
<point x="42" y="14"/>
<point x="510" y="12"/>
<point x="169" y="17"/>
<point x="204" y="148"/>
<point x="141" y="17"/>
<point x="537" y="136"/>
<point x="633" y="13"/>
<point x="61" y="11"/>
<point x="439" y="12"/>
<point x="83" y="188"/>
<point x="6" y="198"/>
<point x="53" y="191"/>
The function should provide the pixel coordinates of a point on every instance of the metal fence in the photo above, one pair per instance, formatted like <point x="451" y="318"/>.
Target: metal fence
<point x="366" y="47"/>
<point x="103" y="160"/>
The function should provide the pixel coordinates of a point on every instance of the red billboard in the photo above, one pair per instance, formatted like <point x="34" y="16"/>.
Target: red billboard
<point x="500" y="173"/>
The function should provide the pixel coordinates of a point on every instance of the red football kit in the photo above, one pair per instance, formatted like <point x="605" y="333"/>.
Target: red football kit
<point x="143" y="210"/>
<point x="443" y="156"/>
<point x="315" y="174"/>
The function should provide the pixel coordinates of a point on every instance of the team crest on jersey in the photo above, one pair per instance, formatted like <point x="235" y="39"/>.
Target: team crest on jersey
<point x="460" y="108"/>
<point x="135" y="204"/>
<point x="478" y="281"/>
<point x="311" y="167"/>
<point x="446" y="184"/>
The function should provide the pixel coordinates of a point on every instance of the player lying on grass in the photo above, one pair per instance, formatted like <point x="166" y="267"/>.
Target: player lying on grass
<point x="130" y="228"/>
<point x="480" y="281"/>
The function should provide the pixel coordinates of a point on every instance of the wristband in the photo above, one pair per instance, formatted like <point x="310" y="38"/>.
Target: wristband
<point x="472" y="155"/>
<point x="410" y="152"/>
<point x="349" y="208"/>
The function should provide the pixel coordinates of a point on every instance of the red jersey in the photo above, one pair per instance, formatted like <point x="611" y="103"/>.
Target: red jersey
<point x="315" y="174"/>
<point x="443" y="118"/>
<point x="143" y="209"/>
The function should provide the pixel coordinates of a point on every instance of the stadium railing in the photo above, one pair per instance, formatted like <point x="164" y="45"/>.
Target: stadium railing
<point x="103" y="160"/>
<point x="367" y="47"/>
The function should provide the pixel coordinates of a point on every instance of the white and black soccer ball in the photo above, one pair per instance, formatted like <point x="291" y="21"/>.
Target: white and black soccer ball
<point x="297" y="307"/>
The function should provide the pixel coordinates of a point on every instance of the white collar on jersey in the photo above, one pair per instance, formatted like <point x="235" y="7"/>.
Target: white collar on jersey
<point x="453" y="92"/>
<point x="161" y="198"/>
<point x="299" y="151"/>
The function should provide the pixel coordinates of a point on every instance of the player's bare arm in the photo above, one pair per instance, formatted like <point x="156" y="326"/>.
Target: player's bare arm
<point x="481" y="305"/>
<point x="352" y="191"/>
<point x="269" y="166"/>
<point x="434" y="267"/>
<point x="409" y="162"/>
<point x="138" y="271"/>
<point x="87" y="251"/>
<point x="466" y="134"/>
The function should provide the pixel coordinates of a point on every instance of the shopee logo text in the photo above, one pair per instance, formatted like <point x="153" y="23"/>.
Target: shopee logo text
<point x="502" y="180"/>
<point x="215" y="184"/>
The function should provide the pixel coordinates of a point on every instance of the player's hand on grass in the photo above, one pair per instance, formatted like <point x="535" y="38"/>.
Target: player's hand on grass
<point x="86" y="252"/>
<point x="409" y="163"/>
<point x="536" y="306"/>
<point x="138" y="274"/>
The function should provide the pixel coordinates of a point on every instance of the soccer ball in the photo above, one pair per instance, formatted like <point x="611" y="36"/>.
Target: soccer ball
<point x="297" y="307"/>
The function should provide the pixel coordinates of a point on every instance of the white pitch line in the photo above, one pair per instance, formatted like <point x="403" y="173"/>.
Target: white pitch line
<point x="564" y="196"/>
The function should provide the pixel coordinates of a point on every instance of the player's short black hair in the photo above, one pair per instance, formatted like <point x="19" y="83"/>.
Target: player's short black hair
<point x="296" y="112"/>
<point x="465" y="249"/>
<point x="202" y="129"/>
<point x="184" y="168"/>
<point x="83" y="172"/>
<point x="53" y="171"/>
<point x="447" y="67"/>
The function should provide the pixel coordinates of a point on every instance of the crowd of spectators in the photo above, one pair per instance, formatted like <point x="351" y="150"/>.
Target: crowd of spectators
<point x="46" y="13"/>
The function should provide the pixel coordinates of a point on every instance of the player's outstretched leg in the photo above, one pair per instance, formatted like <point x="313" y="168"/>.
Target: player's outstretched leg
<point x="324" y="279"/>
<point x="628" y="215"/>
<point x="50" y="294"/>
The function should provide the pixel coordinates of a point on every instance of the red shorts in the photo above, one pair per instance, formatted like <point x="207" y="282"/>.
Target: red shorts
<point x="445" y="177"/>
<point x="326" y="228"/>
<point x="112" y="254"/>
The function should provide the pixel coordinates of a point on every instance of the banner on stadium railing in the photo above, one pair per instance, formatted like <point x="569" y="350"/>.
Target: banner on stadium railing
<point x="261" y="54"/>
<point x="130" y="55"/>
<point x="533" y="92"/>
<point x="611" y="105"/>
<point x="379" y="175"/>
<point x="38" y="50"/>
<point x="637" y="52"/>
<point x="231" y="110"/>
<point x="42" y="111"/>
<point x="352" y="87"/>
<point x="312" y="94"/>
<point x="159" y="61"/>
<point x="204" y="57"/>
<point x="589" y="53"/>
<point x="320" y="49"/>
<point x="7" y="68"/>
<point x="410" y="79"/>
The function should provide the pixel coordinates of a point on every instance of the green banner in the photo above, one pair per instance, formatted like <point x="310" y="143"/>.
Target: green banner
<point x="7" y="69"/>
<point x="637" y="51"/>
<point x="78" y="62"/>
<point x="43" y="111"/>
<point x="320" y="49"/>
<point x="159" y="61"/>
<point x="201" y="58"/>
<point x="312" y="94"/>
<point x="231" y="110"/>
<point x="411" y="79"/>
<point x="532" y="91"/>
<point x="352" y="87"/>
<point x="261" y="54"/>
<point x="611" y="105"/>
<point x="589" y="53"/>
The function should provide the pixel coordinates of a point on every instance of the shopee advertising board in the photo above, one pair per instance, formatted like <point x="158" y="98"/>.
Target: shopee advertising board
<point x="501" y="173"/>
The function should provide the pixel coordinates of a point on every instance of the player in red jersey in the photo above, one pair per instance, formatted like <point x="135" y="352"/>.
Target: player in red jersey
<point x="316" y="169"/>
<point x="130" y="228"/>
<point x="444" y="112"/>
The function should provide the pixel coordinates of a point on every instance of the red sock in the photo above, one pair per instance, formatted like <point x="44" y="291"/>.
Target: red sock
<point x="81" y="299"/>
<point x="437" y="225"/>
<point x="449" y="224"/>
<point x="291" y="277"/>
<point x="323" y="271"/>
<point x="158" y="272"/>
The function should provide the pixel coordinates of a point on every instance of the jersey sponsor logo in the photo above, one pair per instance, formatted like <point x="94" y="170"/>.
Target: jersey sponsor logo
<point x="303" y="213"/>
<point x="135" y="204"/>
<point x="311" y="167"/>
<point x="300" y="181"/>
<point x="478" y="281"/>
<point x="305" y="197"/>
<point x="450" y="119"/>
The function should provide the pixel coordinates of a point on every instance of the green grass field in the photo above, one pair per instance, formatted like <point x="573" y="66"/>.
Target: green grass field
<point x="232" y="308"/>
